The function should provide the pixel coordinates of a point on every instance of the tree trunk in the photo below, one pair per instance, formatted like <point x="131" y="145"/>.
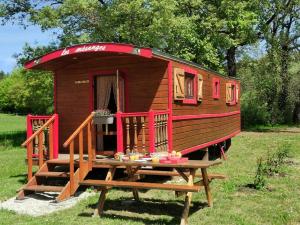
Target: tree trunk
<point x="296" y="116"/>
<point x="231" y="61"/>
<point x="283" y="95"/>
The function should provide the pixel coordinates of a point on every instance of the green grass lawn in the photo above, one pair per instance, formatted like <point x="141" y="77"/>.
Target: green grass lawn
<point x="10" y="123"/>
<point x="234" y="203"/>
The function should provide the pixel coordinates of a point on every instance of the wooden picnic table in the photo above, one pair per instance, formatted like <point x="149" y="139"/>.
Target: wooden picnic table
<point x="186" y="170"/>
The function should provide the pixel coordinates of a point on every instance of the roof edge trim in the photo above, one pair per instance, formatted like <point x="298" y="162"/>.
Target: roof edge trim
<point x="88" y="48"/>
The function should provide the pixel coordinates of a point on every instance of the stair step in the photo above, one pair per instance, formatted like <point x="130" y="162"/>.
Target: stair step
<point x="59" y="161"/>
<point x="44" y="188"/>
<point x="52" y="174"/>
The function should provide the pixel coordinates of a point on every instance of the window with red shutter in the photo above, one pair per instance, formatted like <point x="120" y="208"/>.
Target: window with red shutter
<point x="216" y="88"/>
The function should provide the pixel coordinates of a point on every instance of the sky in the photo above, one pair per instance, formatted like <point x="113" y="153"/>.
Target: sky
<point x="14" y="37"/>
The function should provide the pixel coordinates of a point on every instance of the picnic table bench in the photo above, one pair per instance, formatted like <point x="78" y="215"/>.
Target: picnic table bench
<point x="186" y="170"/>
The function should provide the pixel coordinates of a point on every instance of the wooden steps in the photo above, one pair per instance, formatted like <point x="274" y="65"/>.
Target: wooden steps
<point x="59" y="161"/>
<point x="141" y="185"/>
<point x="43" y="188"/>
<point x="53" y="174"/>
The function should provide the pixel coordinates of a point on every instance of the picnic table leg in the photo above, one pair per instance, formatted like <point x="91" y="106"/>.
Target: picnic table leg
<point x="130" y="178"/>
<point x="206" y="186"/>
<point x="206" y="154"/>
<point x="100" y="205"/>
<point x="188" y="199"/>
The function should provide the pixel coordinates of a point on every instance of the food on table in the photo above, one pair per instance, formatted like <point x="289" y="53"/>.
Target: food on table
<point x="178" y="154"/>
<point x="119" y="156"/>
<point x="155" y="159"/>
<point x="125" y="158"/>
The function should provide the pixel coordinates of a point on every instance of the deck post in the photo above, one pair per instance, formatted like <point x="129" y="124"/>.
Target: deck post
<point x="71" y="166"/>
<point x="55" y="137"/>
<point x="41" y="149"/>
<point x="29" y="160"/>
<point x="51" y="141"/>
<point x="151" y="132"/>
<point x="29" y="125"/>
<point x="120" y="146"/>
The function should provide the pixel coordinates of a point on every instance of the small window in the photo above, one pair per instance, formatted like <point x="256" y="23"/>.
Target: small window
<point x="185" y="86"/>
<point x="216" y="88"/>
<point x="189" y="86"/>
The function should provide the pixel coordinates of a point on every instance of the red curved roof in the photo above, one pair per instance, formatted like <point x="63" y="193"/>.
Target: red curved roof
<point x="89" y="48"/>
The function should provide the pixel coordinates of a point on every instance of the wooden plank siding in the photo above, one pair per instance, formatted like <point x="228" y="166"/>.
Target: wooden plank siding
<point x="202" y="131"/>
<point x="208" y="104"/>
<point x="146" y="87"/>
<point x="189" y="133"/>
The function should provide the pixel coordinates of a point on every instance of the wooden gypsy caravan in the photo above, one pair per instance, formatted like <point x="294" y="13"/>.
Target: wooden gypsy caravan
<point x="157" y="103"/>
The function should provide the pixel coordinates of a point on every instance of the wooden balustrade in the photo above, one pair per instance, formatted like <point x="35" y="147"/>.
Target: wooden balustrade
<point x="135" y="126"/>
<point x="143" y="132"/>
<point x="70" y="142"/>
<point x="161" y="132"/>
<point x="40" y="137"/>
<point x="138" y="125"/>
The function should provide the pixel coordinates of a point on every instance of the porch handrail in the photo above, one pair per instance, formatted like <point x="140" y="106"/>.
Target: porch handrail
<point x="41" y="129"/>
<point x="91" y="149"/>
<point x="77" y="131"/>
<point x="29" y="144"/>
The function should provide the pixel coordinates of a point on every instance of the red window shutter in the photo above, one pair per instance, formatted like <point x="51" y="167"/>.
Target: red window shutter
<point x="228" y="93"/>
<point x="237" y="92"/>
<point x="200" y="88"/>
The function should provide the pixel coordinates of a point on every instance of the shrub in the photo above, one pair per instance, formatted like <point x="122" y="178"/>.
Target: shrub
<point x="275" y="161"/>
<point x="260" y="179"/>
<point x="270" y="166"/>
<point x="253" y="113"/>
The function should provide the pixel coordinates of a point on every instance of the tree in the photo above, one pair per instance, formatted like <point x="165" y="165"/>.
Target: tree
<point x="282" y="35"/>
<point x="206" y="32"/>
<point x="29" y="52"/>
<point x="227" y="24"/>
<point x="27" y="92"/>
<point x="2" y="74"/>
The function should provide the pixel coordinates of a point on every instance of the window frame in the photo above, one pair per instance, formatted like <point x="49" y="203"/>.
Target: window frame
<point x="191" y="101"/>
<point x="216" y="88"/>
<point x="233" y="92"/>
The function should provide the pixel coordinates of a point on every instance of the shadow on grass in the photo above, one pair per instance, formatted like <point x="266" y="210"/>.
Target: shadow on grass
<point x="275" y="129"/>
<point x="22" y="178"/>
<point x="13" y="138"/>
<point x="158" y="207"/>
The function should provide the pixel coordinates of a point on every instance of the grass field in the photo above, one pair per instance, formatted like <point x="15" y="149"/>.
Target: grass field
<point x="234" y="202"/>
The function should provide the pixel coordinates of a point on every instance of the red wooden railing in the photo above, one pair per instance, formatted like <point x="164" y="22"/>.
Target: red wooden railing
<point x="137" y="126"/>
<point x="133" y="124"/>
<point x="39" y="135"/>
<point x="33" y="124"/>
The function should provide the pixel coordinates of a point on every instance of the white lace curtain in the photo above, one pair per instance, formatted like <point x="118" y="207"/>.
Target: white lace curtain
<point x="104" y="86"/>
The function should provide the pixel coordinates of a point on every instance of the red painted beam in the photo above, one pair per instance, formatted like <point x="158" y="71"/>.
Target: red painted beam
<point x="203" y="116"/>
<point x="207" y="144"/>
<point x="88" y="48"/>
